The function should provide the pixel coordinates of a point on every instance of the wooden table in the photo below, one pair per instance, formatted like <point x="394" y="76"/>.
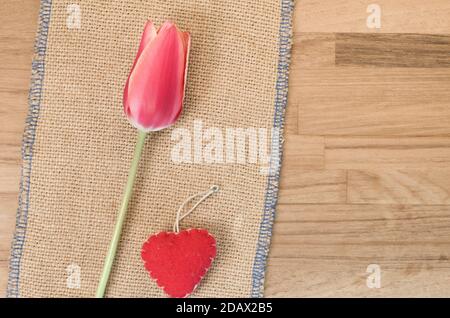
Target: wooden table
<point x="366" y="171"/>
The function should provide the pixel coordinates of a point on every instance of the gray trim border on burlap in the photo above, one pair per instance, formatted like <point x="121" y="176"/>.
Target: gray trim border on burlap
<point x="34" y="101"/>
<point x="35" y="94"/>
<point x="282" y="84"/>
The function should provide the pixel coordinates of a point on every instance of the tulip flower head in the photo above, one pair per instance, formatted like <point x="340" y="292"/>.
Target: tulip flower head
<point x="154" y="92"/>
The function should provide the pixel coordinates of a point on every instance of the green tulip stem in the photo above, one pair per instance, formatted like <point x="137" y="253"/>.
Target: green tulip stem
<point x="109" y="260"/>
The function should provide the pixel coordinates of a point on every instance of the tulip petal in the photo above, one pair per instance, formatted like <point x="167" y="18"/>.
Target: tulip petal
<point x="186" y="36"/>
<point x="148" y="36"/>
<point x="166" y="26"/>
<point x="156" y="85"/>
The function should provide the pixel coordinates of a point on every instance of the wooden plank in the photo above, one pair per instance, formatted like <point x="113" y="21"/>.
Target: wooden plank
<point x="303" y="179"/>
<point x="430" y="186"/>
<point x="8" y="202"/>
<point x="312" y="50"/>
<point x="10" y="174"/>
<point x="373" y="101"/>
<point x="362" y="153"/>
<point x="17" y="33"/>
<point x="288" y="277"/>
<point x="6" y="233"/>
<point x="3" y="277"/>
<point x="14" y="85"/>
<point x="324" y="250"/>
<point x="291" y="117"/>
<point x="303" y="152"/>
<point x="8" y="206"/>
<point x="392" y="50"/>
<point x="309" y="50"/>
<point x="399" y="16"/>
<point x="11" y="151"/>
<point x="313" y="186"/>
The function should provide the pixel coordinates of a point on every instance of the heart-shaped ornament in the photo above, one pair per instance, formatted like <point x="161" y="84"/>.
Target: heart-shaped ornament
<point x="177" y="261"/>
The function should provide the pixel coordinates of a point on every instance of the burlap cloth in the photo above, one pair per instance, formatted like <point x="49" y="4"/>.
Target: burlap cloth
<point x="78" y="145"/>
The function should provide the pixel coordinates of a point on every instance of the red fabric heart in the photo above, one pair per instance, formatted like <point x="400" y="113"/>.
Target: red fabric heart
<point x="178" y="261"/>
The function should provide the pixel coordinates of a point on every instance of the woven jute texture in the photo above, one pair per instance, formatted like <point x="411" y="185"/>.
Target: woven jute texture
<point x="78" y="146"/>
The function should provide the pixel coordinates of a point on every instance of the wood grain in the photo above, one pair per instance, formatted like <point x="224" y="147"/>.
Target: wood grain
<point x="324" y="250"/>
<point x="392" y="50"/>
<point x="312" y="50"/>
<point x="372" y="101"/>
<point x="427" y="186"/>
<point x="398" y="16"/>
<point x="365" y="176"/>
<point x="306" y="152"/>
<point x="387" y="152"/>
<point x="313" y="186"/>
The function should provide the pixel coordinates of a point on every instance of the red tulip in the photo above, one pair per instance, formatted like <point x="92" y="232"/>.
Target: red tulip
<point x="152" y="100"/>
<point x="154" y="92"/>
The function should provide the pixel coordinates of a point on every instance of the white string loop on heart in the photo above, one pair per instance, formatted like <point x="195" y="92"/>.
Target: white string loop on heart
<point x="203" y="195"/>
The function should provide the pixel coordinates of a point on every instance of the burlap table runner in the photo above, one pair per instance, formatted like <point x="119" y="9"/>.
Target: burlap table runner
<point x="78" y="145"/>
